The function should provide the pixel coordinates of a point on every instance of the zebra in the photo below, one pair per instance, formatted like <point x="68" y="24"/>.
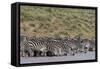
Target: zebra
<point x="52" y="49"/>
<point x="46" y="46"/>
<point x="25" y="49"/>
<point x="59" y="47"/>
<point x="92" y="47"/>
<point x="38" y="46"/>
<point x="67" y="47"/>
<point x="42" y="46"/>
<point x="33" y="47"/>
<point x="88" y="45"/>
<point x="76" y="44"/>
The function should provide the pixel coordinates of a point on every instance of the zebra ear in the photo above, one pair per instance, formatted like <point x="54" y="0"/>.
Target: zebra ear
<point x="25" y="38"/>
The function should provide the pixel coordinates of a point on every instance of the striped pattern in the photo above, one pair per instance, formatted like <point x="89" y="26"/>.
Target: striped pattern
<point x="32" y="46"/>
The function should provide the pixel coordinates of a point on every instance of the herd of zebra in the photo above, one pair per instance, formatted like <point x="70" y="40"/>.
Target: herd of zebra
<point x="48" y="46"/>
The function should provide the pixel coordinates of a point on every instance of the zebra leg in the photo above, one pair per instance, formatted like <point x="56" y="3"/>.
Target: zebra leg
<point x="49" y="53"/>
<point x="31" y="53"/>
<point x="76" y="51"/>
<point x="26" y="53"/>
<point x="40" y="53"/>
<point x="85" y="50"/>
<point x="23" y="54"/>
<point x="71" y="51"/>
<point x="35" y="52"/>
<point x="43" y="54"/>
<point x="59" y="52"/>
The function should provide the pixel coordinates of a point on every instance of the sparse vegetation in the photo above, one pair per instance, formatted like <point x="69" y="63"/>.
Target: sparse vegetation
<point x="61" y="22"/>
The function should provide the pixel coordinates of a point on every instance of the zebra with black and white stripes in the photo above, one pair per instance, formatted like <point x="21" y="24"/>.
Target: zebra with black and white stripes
<point x="42" y="46"/>
<point x="38" y="46"/>
<point x="32" y="47"/>
<point x="25" y="48"/>
<point x="66" y="49"/>
<point x="52" y="48"/>
<point x="59" y="47"/>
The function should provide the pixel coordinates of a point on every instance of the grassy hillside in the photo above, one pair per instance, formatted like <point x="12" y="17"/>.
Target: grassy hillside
<point x="57" y="22"/>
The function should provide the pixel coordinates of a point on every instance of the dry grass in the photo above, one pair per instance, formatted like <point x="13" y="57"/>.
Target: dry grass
<point x="57" y="22"/>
